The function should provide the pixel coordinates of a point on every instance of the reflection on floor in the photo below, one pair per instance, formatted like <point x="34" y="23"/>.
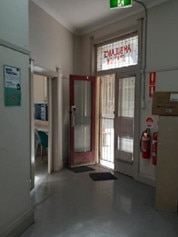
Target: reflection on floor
<point x="69" y="204"/>
<point x="41" y="169"/>
<point x="41" y="172"/>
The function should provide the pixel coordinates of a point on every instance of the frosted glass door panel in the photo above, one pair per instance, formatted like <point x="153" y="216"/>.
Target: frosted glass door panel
<point x="82" y="127"/>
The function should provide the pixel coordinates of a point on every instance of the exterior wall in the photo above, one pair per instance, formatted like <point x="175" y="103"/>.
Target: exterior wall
<point x="15" y="203"/>
<point x="53" y="46"/>
<point x="162" y="36"/>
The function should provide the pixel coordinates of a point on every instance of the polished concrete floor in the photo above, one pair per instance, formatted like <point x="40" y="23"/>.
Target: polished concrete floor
<point x="69" y="204"/>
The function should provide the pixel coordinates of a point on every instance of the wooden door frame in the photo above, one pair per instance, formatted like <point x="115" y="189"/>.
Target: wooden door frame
<point x="55" y="125"/>
<point x="93" y="115"/>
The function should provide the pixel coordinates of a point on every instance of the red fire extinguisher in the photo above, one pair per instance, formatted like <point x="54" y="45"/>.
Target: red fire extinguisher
<point x="154" y="148"/>
<point x="145" y="144"/>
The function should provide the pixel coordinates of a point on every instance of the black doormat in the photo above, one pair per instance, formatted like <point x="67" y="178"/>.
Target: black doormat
<point x="102" y="176"/>
<point x="81" y="169"/>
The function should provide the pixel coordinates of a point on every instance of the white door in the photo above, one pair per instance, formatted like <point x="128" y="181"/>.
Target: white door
<point x="125" y="125"/>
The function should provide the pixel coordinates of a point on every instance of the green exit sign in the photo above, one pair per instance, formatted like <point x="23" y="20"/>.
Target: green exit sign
<point x="120" y="3"/>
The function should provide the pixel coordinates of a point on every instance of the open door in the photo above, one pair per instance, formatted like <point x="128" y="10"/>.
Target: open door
<point x="82" y="120"/>
<point x="124" y="124"/>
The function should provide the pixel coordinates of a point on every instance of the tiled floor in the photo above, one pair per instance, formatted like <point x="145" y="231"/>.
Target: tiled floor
<point x="69" y="204"/>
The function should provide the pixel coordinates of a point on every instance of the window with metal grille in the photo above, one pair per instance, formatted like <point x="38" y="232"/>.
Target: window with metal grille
<point x="126" y="99"/>
<point x="107" y="95"/>
<point x="122" y="53"/>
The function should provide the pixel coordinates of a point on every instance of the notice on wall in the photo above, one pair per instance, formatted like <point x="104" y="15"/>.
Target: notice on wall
<point x="12" y="86"/>
<point x="174" y="97"/>
<point x="149" y="122"/>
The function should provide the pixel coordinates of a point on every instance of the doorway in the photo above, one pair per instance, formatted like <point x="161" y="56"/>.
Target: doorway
<point x="82" y="120"/>
<point x="40" y="93"/>
<point x="117" y="68"/>
<point x="124" y="124"/>
<point x="53" y="89"/>
<point x="107" y="107"/>
<point x="119" y="121"/>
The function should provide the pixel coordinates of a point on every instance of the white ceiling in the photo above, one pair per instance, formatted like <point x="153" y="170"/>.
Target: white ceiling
<point x="82" y="16"/>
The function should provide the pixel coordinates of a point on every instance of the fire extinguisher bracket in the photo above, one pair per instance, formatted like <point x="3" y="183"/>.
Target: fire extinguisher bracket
<point x="154" y="148"/>
<point x="145" y="144"/>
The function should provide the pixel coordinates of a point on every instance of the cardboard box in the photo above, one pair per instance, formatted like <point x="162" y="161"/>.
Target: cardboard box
<point x="165" y="103"/>
<point x="166" y="183"/>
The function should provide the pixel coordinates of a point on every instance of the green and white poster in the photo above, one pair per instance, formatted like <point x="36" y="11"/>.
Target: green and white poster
<point x="12" y="86"/>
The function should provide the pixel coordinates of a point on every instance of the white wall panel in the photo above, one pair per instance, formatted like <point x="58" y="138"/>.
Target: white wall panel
<point x="14" y="145"/>
<point x="14" y="22"/>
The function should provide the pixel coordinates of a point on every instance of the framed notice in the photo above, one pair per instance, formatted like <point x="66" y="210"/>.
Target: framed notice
<point x="12" y="86"/>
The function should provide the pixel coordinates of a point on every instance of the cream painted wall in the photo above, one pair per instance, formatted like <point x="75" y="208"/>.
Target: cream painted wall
<point x="40" y="89"/>
<point x="50" y="43"/>
<point x="16" y="213"/>
<point x="162" y="38"/>
<point x="53" y="46"/>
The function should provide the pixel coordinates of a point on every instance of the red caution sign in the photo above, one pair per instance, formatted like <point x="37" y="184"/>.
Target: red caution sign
<point x="152" y="83"/>
<point x="152" y="78"/>
<point x="151" y="90"/>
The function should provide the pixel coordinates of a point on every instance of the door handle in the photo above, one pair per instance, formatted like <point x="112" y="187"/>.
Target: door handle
<point x="73" y="108"/>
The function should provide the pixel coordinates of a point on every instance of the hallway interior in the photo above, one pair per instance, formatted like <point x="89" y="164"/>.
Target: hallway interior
<point x="69" y="204"/>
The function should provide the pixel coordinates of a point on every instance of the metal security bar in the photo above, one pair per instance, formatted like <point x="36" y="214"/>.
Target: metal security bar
<point x="107" y="120"/>
<point x="125" y="119"/>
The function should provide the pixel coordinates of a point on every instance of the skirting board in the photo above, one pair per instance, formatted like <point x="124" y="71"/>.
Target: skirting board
<point x="19" y="226"/>
<point x="146" y="180"/>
